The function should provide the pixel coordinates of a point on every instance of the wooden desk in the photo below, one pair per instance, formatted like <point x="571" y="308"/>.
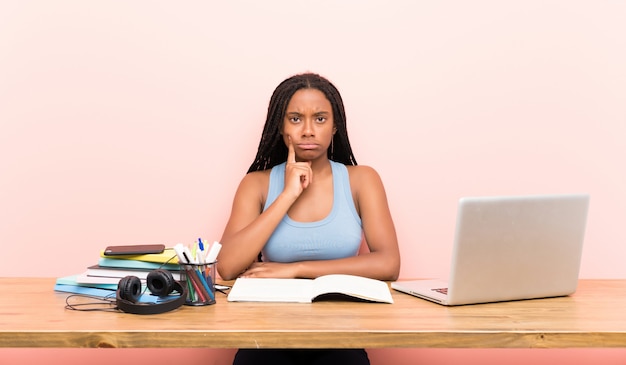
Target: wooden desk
<point x="33" y="315"/>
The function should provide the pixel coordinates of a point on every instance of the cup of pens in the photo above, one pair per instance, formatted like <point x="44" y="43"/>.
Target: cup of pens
<point x="197" y="271"/>
<point x="200" y="282"/>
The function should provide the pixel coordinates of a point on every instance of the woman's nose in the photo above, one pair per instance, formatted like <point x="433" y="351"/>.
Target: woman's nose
<point x="307" y="128"/>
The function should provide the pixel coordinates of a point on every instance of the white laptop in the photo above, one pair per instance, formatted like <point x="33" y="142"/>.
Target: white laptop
<point x="510" y="248"/>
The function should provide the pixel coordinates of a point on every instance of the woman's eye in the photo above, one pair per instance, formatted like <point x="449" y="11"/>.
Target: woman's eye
<point x="294" y="119"/>
<point x="320" y="119"/>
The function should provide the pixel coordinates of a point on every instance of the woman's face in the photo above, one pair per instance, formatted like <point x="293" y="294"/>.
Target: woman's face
<point x="309" y="122"/>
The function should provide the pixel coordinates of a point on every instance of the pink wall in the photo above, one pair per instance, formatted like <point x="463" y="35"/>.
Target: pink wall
<point x="132" y="122"/>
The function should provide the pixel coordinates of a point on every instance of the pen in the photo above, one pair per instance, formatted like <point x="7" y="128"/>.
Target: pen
<point x="213" y="252"/>
<point x="188" y="256"/>
<point x="194" y="281"/>
<point x="202" y="252"/>
<point x="180" y="253"/>
<point x="200" y="256"/>
<point x="210" y="282"/>
<point x="192" y="291"/>
<point x="206" y="285"/>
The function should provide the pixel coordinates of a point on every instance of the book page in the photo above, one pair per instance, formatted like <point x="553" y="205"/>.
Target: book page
<point x="356" y="286"/>
<point x="271" y="290"/>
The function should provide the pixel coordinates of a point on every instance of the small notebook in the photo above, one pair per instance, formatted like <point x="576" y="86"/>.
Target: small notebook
<point x="510" y="248"/>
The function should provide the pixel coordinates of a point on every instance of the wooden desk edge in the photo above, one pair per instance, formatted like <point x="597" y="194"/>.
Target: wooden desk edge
<point x="305" y="340"/>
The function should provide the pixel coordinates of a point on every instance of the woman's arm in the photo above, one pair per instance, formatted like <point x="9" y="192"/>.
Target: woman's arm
<point x="378" y="227"/>
<point x="249" y="227"/>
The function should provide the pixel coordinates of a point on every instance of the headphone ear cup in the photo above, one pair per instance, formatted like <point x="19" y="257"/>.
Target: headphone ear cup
<point x="160" y="282"/>
<point x="129" y="288"/>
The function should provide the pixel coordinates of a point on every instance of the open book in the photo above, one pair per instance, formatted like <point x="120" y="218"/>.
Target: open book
<point x="347" y="287"/>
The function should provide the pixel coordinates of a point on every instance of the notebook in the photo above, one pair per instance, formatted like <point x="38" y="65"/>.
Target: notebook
<point x="510" y="248"/>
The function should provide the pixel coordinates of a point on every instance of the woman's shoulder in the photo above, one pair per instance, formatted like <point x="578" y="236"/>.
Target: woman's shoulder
<point x="255" y="180"/>
<point x="364" y="179"/>
<point x="256" y="176"/>
<point x="362" y="172"/>
<point x="253" y="187"/>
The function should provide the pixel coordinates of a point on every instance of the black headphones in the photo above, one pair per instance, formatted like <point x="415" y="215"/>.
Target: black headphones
<point x="160" y="282"/>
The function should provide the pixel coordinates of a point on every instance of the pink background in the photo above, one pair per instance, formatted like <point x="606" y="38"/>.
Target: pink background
<point x="133" y="122"/>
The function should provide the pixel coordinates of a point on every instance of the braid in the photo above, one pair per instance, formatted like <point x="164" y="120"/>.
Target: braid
<point x="272" y="151"/>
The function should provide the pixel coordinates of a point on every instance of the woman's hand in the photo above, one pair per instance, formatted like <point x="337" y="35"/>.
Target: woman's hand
<point x="270" y="270"/>
<point x="298" y="175"/>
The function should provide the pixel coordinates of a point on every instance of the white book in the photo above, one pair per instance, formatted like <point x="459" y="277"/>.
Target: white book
<point x="336" y="286"/>
<point x="91" y="277"/>
<point x="86" y="279"/>
<point x="111" y="272"/>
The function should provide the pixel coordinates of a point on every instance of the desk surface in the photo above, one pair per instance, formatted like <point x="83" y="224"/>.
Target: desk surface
<point x="33" y="315"/>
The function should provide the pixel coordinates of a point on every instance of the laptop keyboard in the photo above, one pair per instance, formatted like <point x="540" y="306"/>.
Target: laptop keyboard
<point x="443" y="291"/>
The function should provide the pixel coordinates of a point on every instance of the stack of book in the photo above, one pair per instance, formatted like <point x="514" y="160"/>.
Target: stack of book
<point x="101" y="279"/>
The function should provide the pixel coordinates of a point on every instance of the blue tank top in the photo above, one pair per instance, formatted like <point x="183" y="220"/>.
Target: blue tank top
<point x="338" y="235"/>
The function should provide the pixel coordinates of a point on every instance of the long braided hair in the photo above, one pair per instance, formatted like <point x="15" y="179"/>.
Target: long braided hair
<point x="272" y="150"/>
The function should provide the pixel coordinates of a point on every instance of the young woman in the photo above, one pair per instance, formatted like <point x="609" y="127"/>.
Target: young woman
<point x="305" y="206"/>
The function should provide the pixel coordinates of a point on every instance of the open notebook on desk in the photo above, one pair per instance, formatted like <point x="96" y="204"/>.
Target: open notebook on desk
<point x="347" y="287"/>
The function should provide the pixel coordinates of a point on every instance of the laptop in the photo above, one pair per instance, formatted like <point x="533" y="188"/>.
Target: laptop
<point x="510" y="248"/>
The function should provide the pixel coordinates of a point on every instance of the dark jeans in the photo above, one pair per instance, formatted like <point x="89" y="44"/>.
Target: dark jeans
<point x="304" y="357"/>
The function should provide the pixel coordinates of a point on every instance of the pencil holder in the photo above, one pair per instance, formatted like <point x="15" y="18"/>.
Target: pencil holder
<point x="200" y="282"/>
